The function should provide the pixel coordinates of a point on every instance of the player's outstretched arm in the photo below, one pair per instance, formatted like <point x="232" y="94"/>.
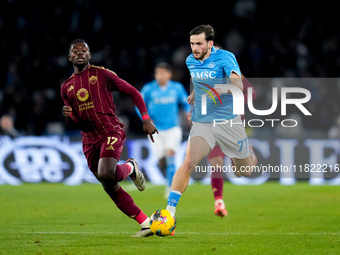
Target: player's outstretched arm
<point x="235" y="79"/>
<point x="148" y="127"/>
<point x="118" y="84"/>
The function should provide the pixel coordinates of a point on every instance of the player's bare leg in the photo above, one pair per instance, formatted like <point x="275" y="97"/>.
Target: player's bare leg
<point x="106" y="174"/>
<point x="245" y="166"/>
<point x="197" y="148"/>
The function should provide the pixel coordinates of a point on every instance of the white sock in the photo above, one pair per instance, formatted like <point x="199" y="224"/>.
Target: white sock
<point x="132" y="167"/>
<point x="219" y="201"/>
<point x="145" y="224"/>
<point x="171" y="209"/>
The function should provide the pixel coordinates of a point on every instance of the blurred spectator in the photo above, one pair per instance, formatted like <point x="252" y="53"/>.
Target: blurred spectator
<point x="7" y="127"/>
<point x="334" y="131"/>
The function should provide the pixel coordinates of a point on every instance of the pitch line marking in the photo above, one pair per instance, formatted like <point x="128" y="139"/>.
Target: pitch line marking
<point x="177" y="233"/>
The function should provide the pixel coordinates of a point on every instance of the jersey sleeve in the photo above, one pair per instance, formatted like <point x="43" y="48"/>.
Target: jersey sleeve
<point x="114" y="83"/>
<point x="187" y="62"/>
<point x="63" y="96"/>
<point x="146" y="98"/>
<point x="63" y="93"/>
<point x="230" y="64"/>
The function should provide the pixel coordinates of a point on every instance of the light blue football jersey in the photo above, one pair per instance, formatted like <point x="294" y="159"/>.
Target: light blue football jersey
<point x="163" y="103"/>
<point x="216" y="69"/>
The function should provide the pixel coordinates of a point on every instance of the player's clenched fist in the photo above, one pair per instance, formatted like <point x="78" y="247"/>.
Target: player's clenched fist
<point x="66" y="111"/>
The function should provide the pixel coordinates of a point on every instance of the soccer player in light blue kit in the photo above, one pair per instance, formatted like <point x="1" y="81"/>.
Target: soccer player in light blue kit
<point x="209" y="66"/>
<point x="163" y="97"/>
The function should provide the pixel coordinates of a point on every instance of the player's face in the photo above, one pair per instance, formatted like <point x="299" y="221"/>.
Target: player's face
<point x="199" y="46"/>
<point x="162" y="76"/>
<point x="79" y="55"/>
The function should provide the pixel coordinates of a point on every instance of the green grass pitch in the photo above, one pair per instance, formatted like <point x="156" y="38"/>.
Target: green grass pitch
<point x="266" y="219"/>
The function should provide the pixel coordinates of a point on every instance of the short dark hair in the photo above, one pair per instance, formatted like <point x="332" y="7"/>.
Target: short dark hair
<point x="76" y="41"/>
<point x="206" y="29"/>
<point x="165" y="66"/>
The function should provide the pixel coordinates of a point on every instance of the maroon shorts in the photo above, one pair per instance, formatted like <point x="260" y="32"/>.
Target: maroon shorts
<point x="109" y="145"/>
<point x="216" y="152"/>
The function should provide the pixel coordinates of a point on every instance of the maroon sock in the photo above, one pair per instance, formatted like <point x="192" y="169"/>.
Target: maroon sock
<point x="125" y="203"/>
<point x="140" y="218"/>
<point x="122" y="171"/>
<point x="217" y="187"/>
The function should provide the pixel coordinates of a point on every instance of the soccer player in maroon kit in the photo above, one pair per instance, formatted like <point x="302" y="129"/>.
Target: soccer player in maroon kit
<point x="88" y="98"/>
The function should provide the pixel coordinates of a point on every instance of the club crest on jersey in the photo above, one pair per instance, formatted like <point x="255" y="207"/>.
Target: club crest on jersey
<point x="93" y="79"/>
<point x="211" y="65"/>
<point x="82" y="94"/>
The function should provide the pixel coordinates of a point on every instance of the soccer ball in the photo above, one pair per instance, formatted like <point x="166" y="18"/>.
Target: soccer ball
<point x="162" y="223"/>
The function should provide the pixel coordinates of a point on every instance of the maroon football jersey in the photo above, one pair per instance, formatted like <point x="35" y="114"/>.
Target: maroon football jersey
<point x="90" y="96"/>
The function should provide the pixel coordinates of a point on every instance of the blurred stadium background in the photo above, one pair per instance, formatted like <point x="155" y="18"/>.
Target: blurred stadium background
<point x="269" y="39"/>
